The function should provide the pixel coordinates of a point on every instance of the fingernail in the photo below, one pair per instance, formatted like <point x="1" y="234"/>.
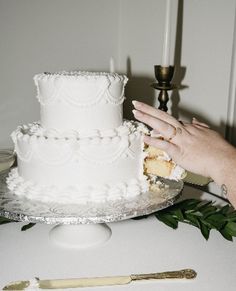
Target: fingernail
<point x="136" y="103"/>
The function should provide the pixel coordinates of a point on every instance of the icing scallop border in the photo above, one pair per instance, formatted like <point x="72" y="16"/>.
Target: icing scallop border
<point x="73" y="147"/>
<point x="103" y="95"/>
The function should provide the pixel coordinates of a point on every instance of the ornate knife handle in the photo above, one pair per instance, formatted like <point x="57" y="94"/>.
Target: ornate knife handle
<point x="181" y="274"/>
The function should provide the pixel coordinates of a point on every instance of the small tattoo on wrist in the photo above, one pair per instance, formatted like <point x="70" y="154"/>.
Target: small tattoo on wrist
<point x="224" y="190"/>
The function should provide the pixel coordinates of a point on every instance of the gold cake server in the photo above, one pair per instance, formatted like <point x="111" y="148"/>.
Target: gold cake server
<point x="195" y="179"/>
<point x="101" y="281"/>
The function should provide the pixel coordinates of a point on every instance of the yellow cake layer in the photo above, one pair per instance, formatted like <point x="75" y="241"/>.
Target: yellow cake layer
<point x="158" y="167"/>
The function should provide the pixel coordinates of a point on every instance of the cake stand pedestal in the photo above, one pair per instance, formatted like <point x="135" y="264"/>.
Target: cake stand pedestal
<point x="84" y="225"/>
<point x="80" y="236"/>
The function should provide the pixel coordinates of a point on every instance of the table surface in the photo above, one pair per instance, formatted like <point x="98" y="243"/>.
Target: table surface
<point x="136" y="246"/>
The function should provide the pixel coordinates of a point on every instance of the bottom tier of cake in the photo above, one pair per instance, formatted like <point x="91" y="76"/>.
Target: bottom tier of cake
<point x="95" y="166"/>
<point x="79" y="167"/>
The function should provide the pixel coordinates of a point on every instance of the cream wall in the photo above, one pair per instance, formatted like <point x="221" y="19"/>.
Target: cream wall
<point x="50" y="35"/>
<point x="203" y="51"/>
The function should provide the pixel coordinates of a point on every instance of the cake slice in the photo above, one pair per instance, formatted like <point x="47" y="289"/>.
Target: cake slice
<point x="159" y="163"/>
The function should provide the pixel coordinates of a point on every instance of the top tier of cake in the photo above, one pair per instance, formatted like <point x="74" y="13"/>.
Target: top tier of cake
<point x="80" y="100"/>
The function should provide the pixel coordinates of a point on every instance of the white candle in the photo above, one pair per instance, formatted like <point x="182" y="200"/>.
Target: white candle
<point x="171" y="17"/>
<point x="166" y="40"/>
<point x="112" y="65"/>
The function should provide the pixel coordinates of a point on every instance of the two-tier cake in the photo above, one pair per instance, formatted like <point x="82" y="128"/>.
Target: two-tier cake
<point x="81" y="150"/>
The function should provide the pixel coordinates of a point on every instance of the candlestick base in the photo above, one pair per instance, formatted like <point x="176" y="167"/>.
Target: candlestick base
<point x="164" y="76"/>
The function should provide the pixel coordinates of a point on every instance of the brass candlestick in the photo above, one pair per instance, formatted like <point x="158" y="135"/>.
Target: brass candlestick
<point x="164" y="76"/>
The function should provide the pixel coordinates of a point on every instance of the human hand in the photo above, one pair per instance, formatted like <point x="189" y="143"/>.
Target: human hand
<point x="194" y="146"/>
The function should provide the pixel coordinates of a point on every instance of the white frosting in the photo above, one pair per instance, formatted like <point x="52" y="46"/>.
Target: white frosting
<point x="177" y="173"/>
<point x="80" y="100"/>
<point x="57" y="149"/>
<point x="75" y="193"/>
<point x="35" y="129"/>
<point x="54" y="167"/>
<point x="33" y="285"/>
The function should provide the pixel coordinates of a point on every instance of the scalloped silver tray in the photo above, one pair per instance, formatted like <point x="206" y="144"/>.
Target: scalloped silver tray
<point x="23" y="209"/>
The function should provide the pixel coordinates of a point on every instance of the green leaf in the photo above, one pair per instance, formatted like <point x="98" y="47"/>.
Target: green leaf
<point x="216" y="220"/>
<point x="226" y="235"/>
<point x="178" y="214"/>
<point x="192" y="220"/>
<point x="196" y="213"/>
<point x="205" y="230"/>
<point x="210" y="210"/>
<point x="4" y="220"/>
<point x="188" y="204"/>
<point x="230" y="227"/>
<point x="204" y="206"/>
<point x="232" y="215"/>
<point x="224" y="210"/>
<point x="27" y="226"/>
<point x="167" y="219"/>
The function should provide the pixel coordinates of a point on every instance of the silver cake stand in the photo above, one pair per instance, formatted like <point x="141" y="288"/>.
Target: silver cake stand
<point x="84" y="225"/>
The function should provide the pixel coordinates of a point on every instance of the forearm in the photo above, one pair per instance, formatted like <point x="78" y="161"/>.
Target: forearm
<point x="224" y="173"/>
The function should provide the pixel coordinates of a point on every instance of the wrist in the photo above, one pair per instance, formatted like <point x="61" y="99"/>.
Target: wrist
<point x="224" y="166"/>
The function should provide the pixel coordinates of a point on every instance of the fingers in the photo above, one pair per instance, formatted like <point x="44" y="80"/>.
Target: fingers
<point x="167" y="130"/>
<point x="197" y="122"/>
<point x="171" y="149"/>
<point x="155" y="113"/>
<point x="155" y="133"/>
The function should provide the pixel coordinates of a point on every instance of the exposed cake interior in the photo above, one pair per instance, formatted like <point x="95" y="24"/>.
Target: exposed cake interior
<point x="158" y="163"/>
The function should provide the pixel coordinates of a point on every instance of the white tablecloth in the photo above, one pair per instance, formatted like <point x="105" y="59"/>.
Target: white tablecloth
<point x="136" y="246"/>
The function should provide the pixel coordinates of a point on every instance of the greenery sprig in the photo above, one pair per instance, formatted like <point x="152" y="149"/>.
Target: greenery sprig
<point x="201" y="214"/>
<point x="4" y="220"/>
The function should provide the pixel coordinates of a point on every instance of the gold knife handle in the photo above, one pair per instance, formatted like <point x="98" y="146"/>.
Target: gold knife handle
<point x="181" y="274"/>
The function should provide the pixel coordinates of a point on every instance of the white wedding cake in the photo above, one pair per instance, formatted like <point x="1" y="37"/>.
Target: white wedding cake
<point x="81" y="150"/>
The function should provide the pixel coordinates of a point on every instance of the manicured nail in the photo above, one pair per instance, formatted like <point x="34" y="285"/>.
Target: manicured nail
<point x="136" y="103"/>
